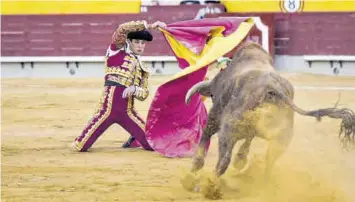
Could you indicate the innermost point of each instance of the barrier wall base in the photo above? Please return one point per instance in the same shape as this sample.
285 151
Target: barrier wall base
283 63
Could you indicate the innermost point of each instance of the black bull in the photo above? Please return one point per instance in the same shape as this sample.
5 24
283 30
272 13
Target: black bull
251 100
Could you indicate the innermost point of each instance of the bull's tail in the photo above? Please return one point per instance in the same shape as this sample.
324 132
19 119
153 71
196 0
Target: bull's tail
347 127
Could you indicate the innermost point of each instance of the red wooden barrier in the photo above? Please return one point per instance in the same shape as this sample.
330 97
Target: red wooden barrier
90 35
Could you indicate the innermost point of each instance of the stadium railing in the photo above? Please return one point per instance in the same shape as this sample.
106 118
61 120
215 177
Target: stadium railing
78 59
329 58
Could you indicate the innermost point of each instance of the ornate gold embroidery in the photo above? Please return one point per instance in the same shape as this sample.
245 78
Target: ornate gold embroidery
129 58
127 65
124 76
144 67
121 80
111 90
141 80
119 71
145 81
144 85
132 116
106 58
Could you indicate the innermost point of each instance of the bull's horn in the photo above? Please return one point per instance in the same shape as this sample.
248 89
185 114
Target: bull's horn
200 87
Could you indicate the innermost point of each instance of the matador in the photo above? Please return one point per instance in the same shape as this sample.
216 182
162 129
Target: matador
126 79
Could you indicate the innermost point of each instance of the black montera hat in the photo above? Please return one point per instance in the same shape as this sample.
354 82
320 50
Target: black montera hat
141 35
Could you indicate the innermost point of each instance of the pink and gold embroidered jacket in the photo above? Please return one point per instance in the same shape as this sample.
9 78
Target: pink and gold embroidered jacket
122 66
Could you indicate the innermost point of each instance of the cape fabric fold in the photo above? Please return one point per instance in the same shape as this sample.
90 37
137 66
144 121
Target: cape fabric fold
173 128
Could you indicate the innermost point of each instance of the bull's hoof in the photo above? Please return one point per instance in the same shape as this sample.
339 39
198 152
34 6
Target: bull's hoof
190 182
212 188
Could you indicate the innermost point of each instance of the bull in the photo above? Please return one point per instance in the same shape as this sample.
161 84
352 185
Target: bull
250 99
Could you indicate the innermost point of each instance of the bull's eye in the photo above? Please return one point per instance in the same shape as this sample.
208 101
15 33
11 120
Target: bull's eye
272 93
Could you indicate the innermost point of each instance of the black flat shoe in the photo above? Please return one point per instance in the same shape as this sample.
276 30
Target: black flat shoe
128 143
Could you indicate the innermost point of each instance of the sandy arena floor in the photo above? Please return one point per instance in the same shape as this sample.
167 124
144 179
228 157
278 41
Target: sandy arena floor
40 119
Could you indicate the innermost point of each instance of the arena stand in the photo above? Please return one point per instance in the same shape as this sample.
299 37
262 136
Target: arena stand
304 42
312 42
316 42
81 41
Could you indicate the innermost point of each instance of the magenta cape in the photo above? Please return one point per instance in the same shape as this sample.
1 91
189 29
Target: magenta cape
173 128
